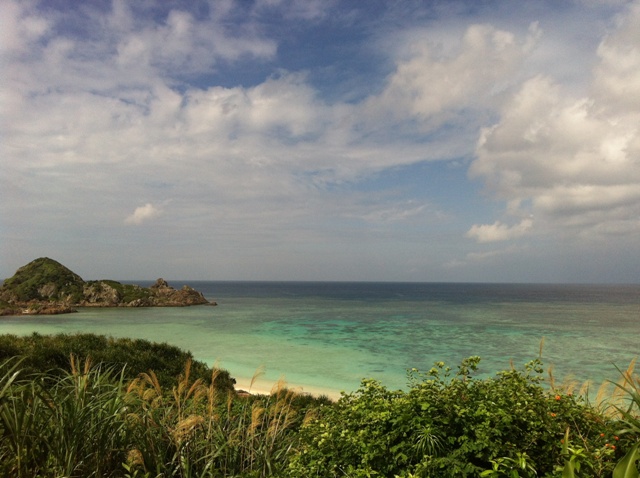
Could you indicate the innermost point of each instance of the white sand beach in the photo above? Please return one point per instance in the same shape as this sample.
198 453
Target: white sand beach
260 386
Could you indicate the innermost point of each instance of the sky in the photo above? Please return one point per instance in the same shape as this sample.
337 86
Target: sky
378 140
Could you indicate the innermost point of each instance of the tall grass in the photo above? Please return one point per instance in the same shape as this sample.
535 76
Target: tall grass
89 422
70 426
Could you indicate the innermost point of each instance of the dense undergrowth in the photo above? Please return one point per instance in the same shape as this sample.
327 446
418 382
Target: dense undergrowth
94 416
131 357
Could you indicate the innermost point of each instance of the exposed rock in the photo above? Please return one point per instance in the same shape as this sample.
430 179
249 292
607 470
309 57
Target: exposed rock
4 311
48 290
100 293
165 295
161 284
139 303
44 308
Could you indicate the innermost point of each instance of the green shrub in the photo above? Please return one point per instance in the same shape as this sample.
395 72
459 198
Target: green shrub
630 424
51 353
450 426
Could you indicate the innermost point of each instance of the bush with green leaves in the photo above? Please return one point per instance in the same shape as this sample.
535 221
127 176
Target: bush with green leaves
51 353
453 425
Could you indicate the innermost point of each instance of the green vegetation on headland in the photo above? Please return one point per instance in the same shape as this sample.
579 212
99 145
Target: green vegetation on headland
115 420
45 286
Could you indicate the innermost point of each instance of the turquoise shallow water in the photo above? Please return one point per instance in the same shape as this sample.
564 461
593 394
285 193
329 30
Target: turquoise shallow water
331 335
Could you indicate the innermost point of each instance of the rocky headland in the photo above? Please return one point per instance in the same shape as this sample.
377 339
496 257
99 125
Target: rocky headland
45 286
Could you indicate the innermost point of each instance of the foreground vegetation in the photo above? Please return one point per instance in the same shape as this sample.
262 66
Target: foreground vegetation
106 415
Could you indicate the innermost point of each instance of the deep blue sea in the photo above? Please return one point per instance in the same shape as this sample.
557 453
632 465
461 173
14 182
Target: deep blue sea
327 336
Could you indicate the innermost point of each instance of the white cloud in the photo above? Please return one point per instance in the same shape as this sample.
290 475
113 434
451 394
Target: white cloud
143 214
617 77
95 121
499 231
405 211
111 104
296 9
434 87
20 28
125 48
480 260
571 161
281 107
183 45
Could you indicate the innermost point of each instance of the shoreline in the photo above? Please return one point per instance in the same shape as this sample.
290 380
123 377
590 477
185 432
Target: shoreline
261 386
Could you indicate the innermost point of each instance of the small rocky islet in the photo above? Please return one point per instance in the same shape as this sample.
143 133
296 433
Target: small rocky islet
46 287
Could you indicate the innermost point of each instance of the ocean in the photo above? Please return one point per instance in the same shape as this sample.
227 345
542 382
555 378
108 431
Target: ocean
328 336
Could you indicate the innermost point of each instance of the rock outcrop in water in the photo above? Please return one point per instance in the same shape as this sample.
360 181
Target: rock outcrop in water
45 286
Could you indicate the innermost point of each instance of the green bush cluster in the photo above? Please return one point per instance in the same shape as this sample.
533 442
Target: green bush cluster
446 426
51 353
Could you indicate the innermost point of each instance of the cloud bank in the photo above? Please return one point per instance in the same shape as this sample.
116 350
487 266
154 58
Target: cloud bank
269 176
572 161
